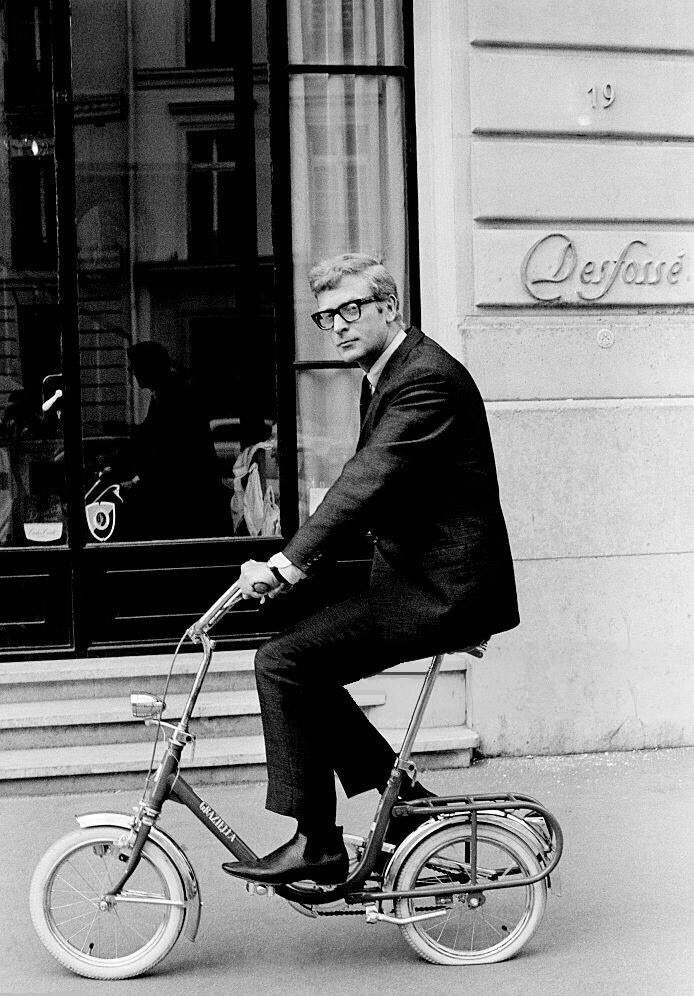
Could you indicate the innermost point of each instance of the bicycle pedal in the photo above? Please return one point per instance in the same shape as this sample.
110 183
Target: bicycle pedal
307 884
258 889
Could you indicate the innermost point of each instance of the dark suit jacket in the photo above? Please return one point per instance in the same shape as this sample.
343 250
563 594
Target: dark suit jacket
423 481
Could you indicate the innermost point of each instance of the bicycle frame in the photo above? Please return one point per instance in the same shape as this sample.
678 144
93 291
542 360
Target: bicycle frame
169 785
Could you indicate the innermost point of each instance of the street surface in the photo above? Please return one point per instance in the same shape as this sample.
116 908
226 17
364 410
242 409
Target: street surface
621 925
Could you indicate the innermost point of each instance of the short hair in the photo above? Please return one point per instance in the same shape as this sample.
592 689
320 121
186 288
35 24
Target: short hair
327 274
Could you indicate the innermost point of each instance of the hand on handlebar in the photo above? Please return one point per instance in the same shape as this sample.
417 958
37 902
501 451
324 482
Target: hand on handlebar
257 581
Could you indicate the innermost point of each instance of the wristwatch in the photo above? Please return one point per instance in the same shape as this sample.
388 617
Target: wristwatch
280 578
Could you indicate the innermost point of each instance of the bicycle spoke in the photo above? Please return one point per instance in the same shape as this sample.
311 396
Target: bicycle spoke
486 920
76 932
89 931
94 871
128 927
84 879
69 919
64 906
75 889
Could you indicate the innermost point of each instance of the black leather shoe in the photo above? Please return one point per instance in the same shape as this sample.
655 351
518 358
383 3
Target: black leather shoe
325 862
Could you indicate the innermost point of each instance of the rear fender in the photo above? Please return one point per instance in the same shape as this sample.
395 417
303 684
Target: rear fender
530 835
168 845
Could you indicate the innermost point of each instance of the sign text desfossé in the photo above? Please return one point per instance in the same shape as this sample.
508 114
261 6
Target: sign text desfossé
553 271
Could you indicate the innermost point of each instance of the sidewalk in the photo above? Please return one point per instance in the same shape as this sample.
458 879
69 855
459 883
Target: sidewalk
622 922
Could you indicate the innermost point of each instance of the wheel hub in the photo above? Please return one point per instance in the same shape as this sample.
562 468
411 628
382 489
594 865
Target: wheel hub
475 900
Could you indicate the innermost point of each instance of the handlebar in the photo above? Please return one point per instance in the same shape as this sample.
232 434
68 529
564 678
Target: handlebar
220 608
215 612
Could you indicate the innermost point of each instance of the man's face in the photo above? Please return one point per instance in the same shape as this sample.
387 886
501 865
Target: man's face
364 340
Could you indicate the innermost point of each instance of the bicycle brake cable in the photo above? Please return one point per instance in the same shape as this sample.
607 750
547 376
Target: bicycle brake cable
163 706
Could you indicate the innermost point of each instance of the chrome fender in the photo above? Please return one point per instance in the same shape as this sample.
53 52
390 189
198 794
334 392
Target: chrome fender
530 836
172 850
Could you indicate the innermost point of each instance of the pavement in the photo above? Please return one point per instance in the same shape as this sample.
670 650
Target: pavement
621 921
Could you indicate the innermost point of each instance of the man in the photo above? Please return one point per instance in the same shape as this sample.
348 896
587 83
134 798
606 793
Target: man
175 488
423 481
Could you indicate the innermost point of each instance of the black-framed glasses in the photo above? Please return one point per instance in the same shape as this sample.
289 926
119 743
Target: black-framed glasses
350 311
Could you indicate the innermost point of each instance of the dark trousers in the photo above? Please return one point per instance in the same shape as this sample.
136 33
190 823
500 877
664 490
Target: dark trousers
312 726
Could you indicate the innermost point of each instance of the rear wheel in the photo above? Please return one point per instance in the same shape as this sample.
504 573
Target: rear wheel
90 937
474 928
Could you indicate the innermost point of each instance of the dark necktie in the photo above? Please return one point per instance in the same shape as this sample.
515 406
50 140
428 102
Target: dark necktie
364 399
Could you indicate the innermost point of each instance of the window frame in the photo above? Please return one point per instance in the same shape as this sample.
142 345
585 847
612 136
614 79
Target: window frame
289 367
214 170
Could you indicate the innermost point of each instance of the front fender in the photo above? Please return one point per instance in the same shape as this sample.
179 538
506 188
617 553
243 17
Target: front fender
172 850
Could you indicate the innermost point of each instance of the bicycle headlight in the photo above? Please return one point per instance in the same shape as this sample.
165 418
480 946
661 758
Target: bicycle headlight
145 705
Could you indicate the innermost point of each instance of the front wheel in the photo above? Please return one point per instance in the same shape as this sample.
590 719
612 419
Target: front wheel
473 928
95 939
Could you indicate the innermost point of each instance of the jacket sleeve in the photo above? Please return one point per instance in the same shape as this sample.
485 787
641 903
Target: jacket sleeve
406 438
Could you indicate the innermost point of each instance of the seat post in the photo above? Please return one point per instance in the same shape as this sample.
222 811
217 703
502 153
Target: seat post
418 713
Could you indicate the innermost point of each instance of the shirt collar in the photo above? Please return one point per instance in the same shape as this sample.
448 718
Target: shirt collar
377 369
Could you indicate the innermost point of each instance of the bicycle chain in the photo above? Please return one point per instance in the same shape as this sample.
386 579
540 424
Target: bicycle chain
425 909
340 912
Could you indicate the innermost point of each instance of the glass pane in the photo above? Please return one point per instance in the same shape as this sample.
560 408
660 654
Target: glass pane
32 476
345 32
175 270
328 413
348 184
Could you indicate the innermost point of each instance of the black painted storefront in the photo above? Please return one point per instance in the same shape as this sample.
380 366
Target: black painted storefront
70 595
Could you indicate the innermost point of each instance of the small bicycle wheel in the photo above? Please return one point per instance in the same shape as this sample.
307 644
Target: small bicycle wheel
466 933
117 942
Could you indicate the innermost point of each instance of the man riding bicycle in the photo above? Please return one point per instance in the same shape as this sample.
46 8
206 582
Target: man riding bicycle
436 584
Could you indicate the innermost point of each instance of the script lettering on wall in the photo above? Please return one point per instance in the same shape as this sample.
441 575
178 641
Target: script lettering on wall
554 270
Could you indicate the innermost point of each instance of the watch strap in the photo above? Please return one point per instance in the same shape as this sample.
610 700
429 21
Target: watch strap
280 578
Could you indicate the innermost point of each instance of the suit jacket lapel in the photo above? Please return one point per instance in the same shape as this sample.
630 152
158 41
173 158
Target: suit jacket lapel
394 364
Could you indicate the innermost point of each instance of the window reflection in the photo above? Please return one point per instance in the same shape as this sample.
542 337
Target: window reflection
213 194
175 254
32 480
347 135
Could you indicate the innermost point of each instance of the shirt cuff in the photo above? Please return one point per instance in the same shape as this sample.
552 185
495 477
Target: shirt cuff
287 569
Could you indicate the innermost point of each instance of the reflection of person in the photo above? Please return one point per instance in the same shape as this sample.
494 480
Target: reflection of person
175 488
441 578
20 419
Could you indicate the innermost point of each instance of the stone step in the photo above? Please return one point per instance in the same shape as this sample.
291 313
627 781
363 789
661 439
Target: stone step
42 771
111 677
87 722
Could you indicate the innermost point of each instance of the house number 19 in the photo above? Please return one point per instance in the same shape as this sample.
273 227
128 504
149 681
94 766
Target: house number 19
601 97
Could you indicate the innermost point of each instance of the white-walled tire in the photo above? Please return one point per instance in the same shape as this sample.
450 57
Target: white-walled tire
122 941
467 935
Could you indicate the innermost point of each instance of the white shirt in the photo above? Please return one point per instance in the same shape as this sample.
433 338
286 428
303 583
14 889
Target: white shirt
287 569
377 369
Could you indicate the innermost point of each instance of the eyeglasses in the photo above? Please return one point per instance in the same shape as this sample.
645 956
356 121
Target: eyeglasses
350 311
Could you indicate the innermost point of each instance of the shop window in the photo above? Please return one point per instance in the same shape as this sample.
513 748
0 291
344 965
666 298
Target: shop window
348 106
213 203
176 293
